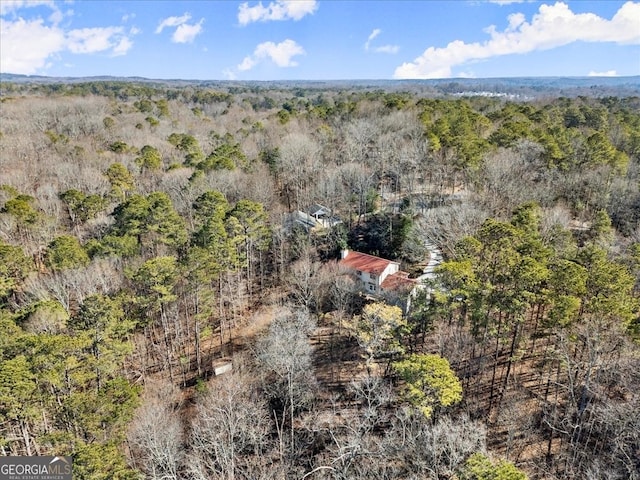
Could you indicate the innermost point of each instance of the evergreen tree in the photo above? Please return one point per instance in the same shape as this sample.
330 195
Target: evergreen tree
430 384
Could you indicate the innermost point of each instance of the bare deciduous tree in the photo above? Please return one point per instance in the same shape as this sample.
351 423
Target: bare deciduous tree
305 281
229 429
70 287
298 166
156 434
285 357
433 451
445 225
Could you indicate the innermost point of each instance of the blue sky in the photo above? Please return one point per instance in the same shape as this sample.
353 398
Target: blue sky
320 40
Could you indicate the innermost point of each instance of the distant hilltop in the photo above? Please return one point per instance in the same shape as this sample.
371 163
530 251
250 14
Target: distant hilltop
519 88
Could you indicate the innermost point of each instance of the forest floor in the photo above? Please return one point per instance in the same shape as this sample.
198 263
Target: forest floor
512 409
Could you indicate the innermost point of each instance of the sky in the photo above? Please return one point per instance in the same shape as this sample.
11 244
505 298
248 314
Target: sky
320 39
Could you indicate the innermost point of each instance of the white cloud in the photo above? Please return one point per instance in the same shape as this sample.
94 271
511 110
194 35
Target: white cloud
229 74
278 10
123 46
608 73
56 17
380 49
374 34
247 64
387 49
91 40
9 6
279 53
28 46
173 22
553 26
185 32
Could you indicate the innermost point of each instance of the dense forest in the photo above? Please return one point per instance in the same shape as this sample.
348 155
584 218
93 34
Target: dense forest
146 243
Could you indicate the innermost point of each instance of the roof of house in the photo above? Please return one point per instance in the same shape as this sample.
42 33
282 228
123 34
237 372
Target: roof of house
398 281
318 210
365 263
301 218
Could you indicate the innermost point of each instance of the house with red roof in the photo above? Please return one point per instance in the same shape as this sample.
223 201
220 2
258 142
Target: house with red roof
378 276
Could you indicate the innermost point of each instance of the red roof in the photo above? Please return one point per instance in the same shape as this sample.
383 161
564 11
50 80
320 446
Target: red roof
365 263
398 281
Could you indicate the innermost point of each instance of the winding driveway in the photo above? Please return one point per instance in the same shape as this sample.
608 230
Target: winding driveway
435 259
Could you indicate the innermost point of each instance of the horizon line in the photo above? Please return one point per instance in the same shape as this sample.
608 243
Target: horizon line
403 80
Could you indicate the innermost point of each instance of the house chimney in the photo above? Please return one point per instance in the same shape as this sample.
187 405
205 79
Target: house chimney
343 253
